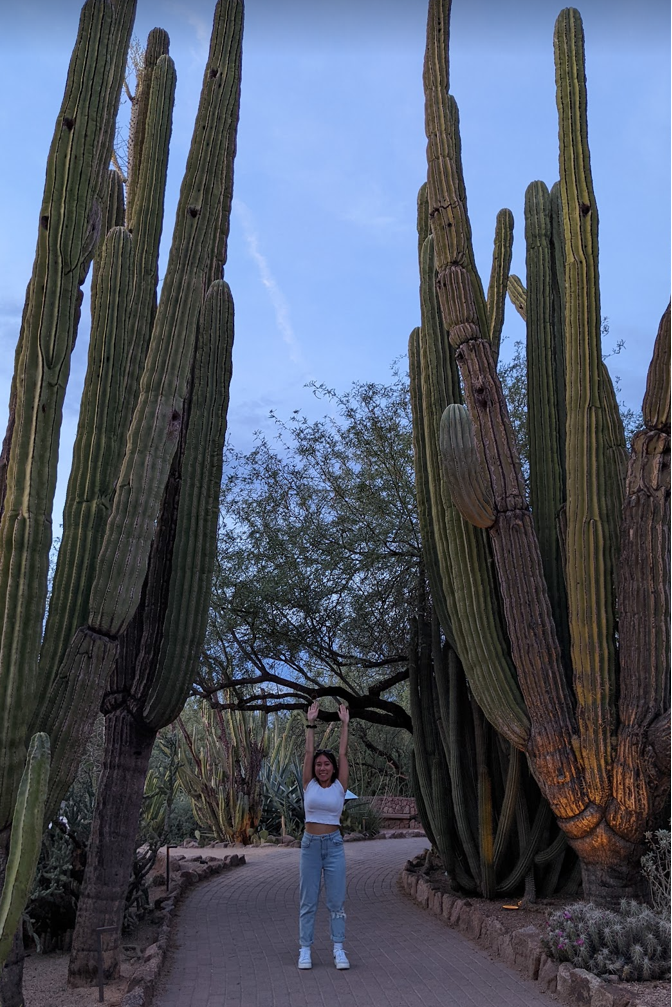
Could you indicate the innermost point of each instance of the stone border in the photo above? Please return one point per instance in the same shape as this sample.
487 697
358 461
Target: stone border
188 871
520 949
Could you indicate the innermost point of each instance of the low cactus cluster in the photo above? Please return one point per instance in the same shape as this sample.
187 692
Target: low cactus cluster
633 943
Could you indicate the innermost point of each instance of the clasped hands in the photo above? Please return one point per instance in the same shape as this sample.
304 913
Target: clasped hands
314 709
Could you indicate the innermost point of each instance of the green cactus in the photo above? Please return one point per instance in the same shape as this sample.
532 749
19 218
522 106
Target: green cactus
190 346
69 223
587 756
471 787
144 389
220 769
25 842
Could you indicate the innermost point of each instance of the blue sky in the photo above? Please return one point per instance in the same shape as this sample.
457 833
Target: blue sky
331 148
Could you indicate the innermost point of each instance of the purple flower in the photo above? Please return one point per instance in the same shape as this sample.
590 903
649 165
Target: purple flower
561 947
579 941
567 916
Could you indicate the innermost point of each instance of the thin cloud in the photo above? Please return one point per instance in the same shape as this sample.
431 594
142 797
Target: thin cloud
201 26
277 298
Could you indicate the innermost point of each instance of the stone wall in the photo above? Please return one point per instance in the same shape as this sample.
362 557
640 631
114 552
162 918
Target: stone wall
396 812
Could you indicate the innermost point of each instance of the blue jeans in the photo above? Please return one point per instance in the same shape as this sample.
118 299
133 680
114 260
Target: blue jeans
322 854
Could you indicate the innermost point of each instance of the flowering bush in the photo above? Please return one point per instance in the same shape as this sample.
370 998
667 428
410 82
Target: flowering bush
633 943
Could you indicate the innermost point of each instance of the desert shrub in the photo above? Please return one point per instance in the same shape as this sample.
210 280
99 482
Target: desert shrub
633 943
360 816
656 869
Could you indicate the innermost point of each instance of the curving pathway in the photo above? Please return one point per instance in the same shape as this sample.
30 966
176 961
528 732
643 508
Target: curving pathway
235 943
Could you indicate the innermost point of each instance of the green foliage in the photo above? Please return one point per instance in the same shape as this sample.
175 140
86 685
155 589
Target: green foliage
318 553
360 816
656 869
633 943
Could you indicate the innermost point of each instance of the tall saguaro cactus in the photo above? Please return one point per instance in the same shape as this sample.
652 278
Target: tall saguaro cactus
160 644
154 403
588 756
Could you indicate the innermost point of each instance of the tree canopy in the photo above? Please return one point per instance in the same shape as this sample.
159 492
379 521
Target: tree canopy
318 560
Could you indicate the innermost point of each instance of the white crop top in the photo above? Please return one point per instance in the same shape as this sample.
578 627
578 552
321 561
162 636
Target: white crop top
323 805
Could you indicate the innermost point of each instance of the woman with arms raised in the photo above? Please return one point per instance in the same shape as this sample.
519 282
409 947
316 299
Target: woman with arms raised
325 781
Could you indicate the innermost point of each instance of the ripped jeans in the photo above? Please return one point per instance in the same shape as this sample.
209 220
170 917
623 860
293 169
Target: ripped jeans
322 854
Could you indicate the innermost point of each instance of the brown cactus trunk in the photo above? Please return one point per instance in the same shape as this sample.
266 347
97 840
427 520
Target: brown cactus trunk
128 746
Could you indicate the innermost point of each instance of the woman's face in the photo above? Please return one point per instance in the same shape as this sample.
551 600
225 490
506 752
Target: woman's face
324 769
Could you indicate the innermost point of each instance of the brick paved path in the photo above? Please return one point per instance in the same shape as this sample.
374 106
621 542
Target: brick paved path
235 943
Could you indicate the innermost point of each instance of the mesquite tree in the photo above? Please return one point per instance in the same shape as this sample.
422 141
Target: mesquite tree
582 685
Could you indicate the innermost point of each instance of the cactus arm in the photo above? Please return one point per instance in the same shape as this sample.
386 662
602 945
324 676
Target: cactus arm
458 778
468 488
473 608
546 433
158 44
590 545
485 809
517 295
508 809
78 158
533 639
433 791
558 297
644 600
195 260
529 840
123 304
422 489
499 274
195 537
96 454
146 224
25 841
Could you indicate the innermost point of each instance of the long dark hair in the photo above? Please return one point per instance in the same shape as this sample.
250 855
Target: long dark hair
332 759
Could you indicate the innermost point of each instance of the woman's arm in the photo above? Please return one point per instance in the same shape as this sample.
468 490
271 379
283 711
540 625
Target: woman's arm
313 711
344 716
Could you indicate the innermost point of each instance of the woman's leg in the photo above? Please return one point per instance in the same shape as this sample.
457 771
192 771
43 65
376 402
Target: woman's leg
310 877
334 884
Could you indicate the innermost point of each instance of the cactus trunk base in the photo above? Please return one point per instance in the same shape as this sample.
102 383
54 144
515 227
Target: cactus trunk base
128 746
610 868
11 975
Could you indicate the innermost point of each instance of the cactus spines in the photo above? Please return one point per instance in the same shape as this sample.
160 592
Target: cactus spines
25 841
469 490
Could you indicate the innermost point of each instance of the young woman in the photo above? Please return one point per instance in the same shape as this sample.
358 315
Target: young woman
325 782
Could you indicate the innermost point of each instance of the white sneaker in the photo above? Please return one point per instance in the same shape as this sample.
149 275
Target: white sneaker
304 959
341 959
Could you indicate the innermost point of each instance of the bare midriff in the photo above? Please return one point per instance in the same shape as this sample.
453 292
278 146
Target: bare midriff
318 829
